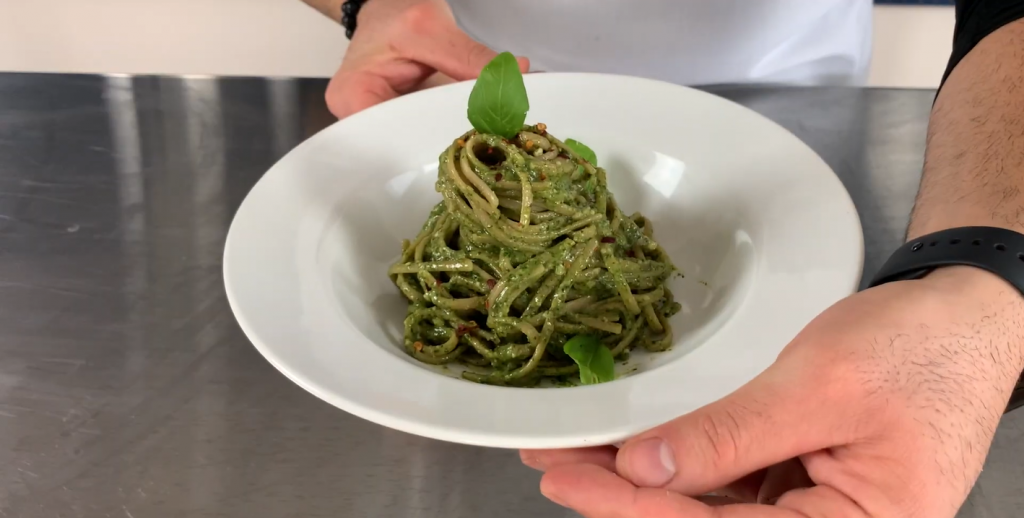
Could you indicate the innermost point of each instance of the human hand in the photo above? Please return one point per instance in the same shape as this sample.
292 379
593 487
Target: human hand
401 46
885 405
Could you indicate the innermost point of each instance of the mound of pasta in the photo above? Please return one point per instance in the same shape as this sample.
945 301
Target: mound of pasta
528 251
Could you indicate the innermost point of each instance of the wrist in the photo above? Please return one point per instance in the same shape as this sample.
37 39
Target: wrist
975 291
968 268
971 285
349 15
971 281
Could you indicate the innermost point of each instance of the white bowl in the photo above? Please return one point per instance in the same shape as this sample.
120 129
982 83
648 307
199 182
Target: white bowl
763 230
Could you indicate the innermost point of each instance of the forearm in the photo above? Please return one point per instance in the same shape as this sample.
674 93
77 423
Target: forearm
329 8
974 164
974 176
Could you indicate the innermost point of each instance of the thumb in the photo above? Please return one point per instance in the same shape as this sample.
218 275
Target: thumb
456 55
772 419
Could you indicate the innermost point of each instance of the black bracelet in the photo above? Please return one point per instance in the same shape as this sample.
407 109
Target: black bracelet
349 14
997 250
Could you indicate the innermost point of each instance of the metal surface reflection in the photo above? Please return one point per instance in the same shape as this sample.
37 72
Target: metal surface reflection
127 389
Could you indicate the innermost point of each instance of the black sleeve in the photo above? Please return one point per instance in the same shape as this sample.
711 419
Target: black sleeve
976 19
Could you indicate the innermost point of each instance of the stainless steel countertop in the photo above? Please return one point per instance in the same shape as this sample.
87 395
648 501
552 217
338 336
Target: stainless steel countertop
127 389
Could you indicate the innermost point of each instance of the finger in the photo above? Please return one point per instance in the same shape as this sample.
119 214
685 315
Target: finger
436 79
351 91
543 460
595 492
717 501
819 502
451 52
745 489
767 485
590 490
782 478
770 420
430 42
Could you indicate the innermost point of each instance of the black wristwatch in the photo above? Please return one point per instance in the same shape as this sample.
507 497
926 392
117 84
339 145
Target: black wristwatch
997 250
349 13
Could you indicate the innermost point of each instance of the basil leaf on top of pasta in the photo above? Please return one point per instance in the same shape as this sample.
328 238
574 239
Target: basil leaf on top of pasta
498 103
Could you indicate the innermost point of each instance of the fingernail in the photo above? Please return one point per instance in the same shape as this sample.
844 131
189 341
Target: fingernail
652 463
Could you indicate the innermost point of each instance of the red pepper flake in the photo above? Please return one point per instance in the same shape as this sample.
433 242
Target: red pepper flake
461 330
630 253
543 177
490 150
437 282
418 346
487 304
607 239
498 177
491 283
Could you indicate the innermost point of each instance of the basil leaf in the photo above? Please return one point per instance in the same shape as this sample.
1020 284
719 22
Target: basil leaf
498 103
595 360
582 150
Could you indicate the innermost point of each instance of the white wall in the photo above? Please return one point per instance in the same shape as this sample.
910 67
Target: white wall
286 38
230 37
911 45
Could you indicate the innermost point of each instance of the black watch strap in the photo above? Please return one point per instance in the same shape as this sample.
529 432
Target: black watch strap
349 13
998 250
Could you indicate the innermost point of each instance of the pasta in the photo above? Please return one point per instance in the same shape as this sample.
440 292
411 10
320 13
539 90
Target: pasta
527 249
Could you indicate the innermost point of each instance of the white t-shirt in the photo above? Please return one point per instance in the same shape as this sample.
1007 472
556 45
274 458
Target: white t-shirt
682 41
